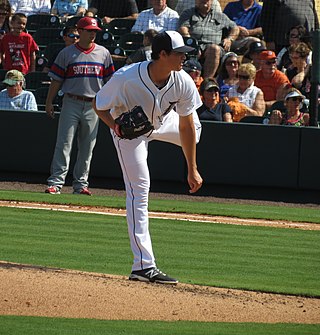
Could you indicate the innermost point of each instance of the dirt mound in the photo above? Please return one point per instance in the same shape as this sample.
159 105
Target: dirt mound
34 291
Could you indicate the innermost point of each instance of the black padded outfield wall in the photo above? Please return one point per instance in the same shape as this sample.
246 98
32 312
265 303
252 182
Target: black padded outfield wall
230 154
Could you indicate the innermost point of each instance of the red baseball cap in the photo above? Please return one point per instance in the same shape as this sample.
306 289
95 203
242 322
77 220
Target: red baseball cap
88 23
267 55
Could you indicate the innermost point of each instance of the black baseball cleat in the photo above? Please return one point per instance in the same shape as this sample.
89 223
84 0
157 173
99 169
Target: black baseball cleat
152 275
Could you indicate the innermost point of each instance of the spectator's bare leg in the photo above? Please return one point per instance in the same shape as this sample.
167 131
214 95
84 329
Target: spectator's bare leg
212 60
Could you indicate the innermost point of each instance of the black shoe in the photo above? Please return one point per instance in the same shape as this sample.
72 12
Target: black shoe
152 275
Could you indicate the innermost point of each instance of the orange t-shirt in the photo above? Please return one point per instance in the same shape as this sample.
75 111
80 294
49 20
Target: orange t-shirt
270 86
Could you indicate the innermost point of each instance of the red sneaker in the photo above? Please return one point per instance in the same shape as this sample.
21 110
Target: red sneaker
84 191
53 190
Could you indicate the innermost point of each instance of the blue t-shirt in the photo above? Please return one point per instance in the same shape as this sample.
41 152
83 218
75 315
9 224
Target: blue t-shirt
213 114
64 7
24 101
249 18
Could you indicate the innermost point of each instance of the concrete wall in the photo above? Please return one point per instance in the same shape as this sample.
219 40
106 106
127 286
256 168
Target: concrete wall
228 154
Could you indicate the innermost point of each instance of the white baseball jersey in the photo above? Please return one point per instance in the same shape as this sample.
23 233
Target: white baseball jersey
131 86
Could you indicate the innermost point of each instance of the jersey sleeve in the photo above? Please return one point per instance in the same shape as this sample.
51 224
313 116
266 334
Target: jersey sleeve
190 99
110 96
58 68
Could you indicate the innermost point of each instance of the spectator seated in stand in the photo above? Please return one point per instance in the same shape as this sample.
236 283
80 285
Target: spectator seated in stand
269 78
246 93
295 35
160 18
194 69
112 9
292 116
212 108
14 97
186 4
298 70
31 7
246 14
228 72
143 53
253 55
69 8
70 36
208 28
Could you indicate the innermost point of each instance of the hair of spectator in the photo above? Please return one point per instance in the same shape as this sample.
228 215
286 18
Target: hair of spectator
6 7
150 34
249 69
16 16
67 30
223 70
300 48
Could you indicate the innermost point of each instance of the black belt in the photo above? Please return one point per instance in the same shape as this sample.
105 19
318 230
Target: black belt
79 97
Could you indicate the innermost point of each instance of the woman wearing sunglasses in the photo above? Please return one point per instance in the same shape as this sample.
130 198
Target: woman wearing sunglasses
293 116
246 93
228 72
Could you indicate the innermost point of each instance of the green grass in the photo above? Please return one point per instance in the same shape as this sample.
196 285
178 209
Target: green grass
210 208
254 258
14 325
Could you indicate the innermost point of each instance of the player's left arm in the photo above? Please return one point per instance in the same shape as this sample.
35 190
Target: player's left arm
188 143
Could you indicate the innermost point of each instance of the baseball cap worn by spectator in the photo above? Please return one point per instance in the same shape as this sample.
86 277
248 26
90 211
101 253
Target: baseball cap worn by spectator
88 23
267 55
12 77
211 85
255 47
192 65
293 95
169 41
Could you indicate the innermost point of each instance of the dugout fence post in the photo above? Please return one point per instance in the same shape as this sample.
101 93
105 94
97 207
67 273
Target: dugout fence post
315 78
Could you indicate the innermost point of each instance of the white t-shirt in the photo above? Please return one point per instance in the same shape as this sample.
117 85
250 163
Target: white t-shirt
166 20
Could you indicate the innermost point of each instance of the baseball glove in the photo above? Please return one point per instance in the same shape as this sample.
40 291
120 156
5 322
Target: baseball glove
239 109
133 124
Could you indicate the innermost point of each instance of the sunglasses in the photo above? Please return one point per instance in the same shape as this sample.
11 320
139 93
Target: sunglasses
293 36
296 99
244 77
73 35
270 62
233 62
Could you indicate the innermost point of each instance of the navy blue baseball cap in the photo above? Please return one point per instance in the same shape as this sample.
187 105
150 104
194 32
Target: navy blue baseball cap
192 65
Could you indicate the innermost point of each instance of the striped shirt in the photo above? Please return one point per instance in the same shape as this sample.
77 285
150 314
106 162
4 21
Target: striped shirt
83 72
